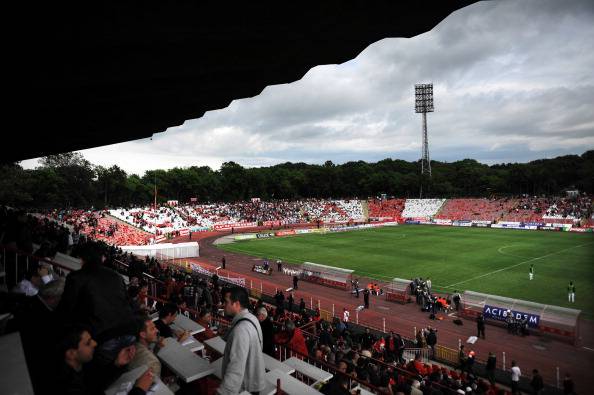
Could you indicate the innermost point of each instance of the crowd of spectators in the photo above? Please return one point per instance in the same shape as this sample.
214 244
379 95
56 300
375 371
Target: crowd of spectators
476 209
137 226
98 225
284 212
95 326
568 210
386 208
421 208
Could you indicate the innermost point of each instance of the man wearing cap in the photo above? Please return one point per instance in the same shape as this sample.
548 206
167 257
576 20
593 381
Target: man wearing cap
111 361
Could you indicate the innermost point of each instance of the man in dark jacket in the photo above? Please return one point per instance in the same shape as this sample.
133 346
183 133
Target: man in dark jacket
366 298
537 382
432 339
367 339
40 331
490 368
96 296
75 350
267 331
480 326
291 301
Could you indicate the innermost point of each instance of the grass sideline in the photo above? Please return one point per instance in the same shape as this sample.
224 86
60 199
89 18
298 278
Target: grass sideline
494 261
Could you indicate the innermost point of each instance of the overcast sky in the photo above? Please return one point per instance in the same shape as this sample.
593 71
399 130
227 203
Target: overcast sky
513 81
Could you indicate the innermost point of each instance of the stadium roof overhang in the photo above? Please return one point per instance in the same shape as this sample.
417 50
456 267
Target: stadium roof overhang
118 71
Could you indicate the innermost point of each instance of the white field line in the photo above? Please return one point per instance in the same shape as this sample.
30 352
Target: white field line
516 265
500 250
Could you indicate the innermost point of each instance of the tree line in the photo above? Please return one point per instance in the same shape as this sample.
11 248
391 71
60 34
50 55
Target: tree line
69 180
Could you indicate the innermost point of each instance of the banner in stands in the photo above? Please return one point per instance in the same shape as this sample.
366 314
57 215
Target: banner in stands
564 227
462 223
509 224
516 225
245 237
500 314
285 232
333 221
199 229
318 230
581 230
342 228
238 225
533 224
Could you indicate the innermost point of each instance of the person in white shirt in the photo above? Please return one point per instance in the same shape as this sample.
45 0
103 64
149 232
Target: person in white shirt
516 373
345 316
33 279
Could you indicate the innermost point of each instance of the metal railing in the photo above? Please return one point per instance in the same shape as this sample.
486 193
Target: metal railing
284 353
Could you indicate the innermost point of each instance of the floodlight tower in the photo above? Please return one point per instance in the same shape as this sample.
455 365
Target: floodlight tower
423 105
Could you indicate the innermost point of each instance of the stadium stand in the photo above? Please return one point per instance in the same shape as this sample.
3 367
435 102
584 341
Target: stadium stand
386 208
421 208
376 358
475 209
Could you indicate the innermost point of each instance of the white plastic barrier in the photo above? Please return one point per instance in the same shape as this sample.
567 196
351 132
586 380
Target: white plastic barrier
166 251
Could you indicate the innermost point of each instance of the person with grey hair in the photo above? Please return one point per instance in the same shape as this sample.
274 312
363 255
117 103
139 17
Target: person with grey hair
267 330
50 294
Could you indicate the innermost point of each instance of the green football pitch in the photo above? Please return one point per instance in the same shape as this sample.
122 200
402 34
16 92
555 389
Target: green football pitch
493 261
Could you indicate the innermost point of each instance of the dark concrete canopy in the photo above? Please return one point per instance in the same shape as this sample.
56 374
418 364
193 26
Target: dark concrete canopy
114 72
